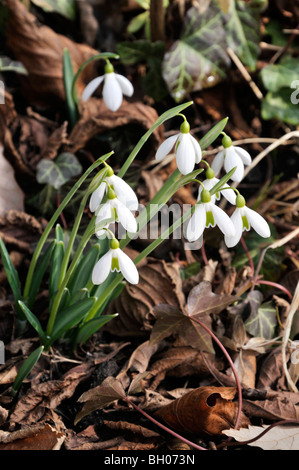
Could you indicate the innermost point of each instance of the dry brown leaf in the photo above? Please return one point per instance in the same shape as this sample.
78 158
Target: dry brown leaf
11 195
275 405
40 50
19 229
277 438
160 282
37 437
203 411
96 118
131 427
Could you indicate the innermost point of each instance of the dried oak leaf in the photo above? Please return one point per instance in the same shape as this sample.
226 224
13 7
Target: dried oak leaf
159 282
96 118
275 405
40 50
37 437
203 411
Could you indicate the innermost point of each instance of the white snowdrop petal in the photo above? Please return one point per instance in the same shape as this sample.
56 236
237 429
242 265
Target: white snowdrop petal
103 212
197 149
223 221
232 160
127 267
102 268
236 220
96 197
185 154
196 224
258 223
125 217
244 155
166 147
91 87
125 85
124 192
217 162
229 195
112 92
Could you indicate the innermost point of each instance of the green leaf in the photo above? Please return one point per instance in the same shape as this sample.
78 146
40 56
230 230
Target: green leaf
82 273
212 134
262 320
243 32
138 22
57 172
68 80
55 267
12 274
33 320
65 8
40 271
26 368
70 317
91 327
279 106
198 59
277 76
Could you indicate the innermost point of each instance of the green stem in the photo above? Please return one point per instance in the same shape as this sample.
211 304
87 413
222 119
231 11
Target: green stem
52 221
102 55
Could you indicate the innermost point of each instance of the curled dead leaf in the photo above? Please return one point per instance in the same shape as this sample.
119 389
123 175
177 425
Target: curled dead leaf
40 49
37 437
203 411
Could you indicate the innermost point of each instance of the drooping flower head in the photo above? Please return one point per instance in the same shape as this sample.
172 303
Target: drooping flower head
230 157
186 148
114 87
117 211
210 182
123 191
243 219
207 214
115 260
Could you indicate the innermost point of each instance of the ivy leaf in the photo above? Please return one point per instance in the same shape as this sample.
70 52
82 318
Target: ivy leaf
66 8
56 173
198 59
243 32
262 319
277 76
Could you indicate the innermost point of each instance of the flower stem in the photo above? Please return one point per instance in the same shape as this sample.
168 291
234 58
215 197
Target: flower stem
248 255
278 286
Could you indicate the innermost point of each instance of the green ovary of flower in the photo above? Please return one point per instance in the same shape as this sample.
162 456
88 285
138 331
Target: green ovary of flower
185 127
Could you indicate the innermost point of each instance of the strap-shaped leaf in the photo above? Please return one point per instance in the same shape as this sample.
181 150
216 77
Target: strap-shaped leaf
68 77
12 276
33 320
55 268
70 316
213 133
91 327
82 273
26 368
39 273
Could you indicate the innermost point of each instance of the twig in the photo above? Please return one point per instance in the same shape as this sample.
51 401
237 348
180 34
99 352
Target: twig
245 74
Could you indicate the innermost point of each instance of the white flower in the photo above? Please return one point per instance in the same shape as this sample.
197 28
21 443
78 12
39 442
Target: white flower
116 210
210 182
115 86
115 260
207 214
230 157
186 148
243 219
123 191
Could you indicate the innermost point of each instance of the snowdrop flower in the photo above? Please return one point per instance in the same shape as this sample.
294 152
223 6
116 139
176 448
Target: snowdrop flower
186 148
230 157
123 191
210 182
115 86
116 210
243 219
207 214
115 260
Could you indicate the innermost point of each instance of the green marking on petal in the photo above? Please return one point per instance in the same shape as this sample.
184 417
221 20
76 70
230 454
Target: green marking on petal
114 264
177 145
210 219
246 225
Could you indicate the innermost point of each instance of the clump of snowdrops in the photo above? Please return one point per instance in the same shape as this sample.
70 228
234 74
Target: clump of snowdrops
82 281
